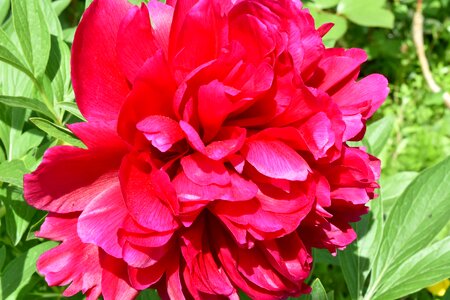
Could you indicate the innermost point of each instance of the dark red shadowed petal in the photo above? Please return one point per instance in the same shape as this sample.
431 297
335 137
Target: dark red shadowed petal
115 282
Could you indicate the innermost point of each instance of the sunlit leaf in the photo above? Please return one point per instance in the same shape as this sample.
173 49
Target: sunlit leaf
19 271
57 131
415 219
33 34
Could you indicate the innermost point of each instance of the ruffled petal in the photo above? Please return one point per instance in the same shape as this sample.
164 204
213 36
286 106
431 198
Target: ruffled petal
72 262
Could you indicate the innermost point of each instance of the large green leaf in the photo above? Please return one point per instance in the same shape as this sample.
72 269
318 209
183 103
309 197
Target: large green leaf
367 13
25 102
423 269
9 54
378 133
12 172
33 34
393 186
19 271
51 16
57 131
355 261
415 219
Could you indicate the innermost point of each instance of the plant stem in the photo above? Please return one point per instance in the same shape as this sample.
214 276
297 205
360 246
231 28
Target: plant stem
420 49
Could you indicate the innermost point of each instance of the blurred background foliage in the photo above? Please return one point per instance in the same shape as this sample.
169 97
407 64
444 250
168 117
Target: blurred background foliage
411 132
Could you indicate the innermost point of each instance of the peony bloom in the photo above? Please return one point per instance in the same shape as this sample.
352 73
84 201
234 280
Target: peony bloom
216 153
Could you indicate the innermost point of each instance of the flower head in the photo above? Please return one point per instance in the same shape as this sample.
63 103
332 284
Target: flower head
216 151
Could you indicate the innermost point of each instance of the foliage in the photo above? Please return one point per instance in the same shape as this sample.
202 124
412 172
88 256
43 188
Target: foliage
404 242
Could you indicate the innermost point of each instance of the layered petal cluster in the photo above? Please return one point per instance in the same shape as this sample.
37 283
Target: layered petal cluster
216 151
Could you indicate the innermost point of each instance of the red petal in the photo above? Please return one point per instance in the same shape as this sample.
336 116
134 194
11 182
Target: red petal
99 135
152 94
289 256
210 97
69 178
161 18
141 198
370 93
72 262
99 84
101 219
135 41
337 68
204 171
276 160
162 131
115 284
142 278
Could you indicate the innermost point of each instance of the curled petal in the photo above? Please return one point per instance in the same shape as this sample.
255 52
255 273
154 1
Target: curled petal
276 160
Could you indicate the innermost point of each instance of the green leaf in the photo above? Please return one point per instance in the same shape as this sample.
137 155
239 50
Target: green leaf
18 214
69 34
425 268
33 34
8 53
325 3
378 133
4 9
318 291
58 69
12 172
57 131
19 271
323 256
2 257
72 108
415 219
51 17
60 5
367 13
338 30
87 3
355 261
148 295
393 186
25 102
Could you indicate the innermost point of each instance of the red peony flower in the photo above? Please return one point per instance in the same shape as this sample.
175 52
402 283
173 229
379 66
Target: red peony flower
216 153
